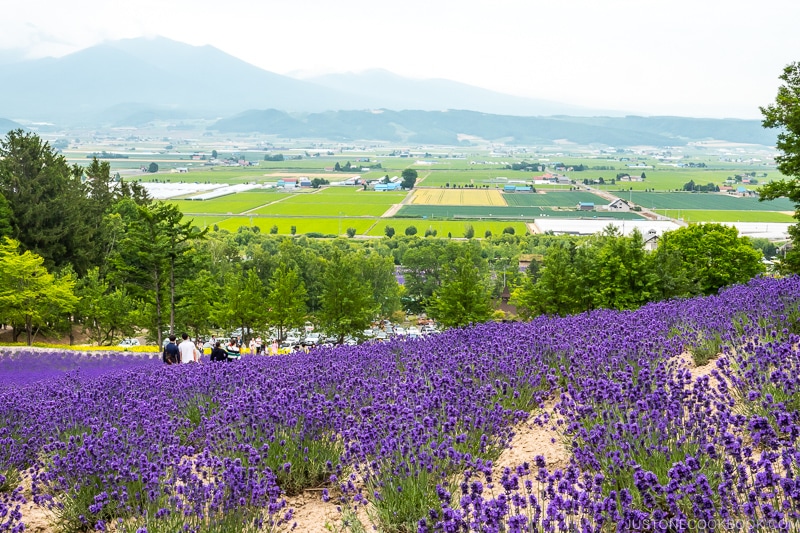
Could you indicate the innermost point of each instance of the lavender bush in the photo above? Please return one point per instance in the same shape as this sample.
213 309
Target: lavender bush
413 428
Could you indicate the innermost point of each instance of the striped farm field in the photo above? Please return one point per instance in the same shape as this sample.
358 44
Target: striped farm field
552 199
483 197
710 215
706 201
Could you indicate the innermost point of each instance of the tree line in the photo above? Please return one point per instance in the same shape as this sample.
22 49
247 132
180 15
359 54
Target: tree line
111 260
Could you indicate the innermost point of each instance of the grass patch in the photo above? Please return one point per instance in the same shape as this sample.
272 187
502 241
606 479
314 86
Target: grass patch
707 348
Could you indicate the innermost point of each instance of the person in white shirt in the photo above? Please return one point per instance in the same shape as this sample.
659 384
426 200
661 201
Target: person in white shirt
187 350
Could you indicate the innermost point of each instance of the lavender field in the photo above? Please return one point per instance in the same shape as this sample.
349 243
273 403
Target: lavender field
680 416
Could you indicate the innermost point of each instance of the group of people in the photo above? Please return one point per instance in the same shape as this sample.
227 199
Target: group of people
190 352
185 352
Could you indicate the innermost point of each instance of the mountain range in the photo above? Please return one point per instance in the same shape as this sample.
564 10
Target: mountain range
135 82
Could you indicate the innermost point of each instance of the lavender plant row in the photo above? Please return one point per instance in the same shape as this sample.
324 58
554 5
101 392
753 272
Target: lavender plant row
414 427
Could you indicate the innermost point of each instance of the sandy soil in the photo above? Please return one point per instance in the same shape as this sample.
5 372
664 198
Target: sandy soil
532 438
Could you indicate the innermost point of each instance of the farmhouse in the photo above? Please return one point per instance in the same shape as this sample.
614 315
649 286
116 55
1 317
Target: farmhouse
619 205
586 206
287 183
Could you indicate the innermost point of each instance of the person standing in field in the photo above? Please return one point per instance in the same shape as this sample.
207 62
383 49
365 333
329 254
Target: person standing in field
232 349
259 344
171 352
218 353
274 348
198 346
252 346
188 350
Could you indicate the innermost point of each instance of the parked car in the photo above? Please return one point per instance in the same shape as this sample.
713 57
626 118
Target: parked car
312 339
130 341
291 341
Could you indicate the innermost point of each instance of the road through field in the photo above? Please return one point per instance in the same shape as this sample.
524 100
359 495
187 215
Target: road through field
392 211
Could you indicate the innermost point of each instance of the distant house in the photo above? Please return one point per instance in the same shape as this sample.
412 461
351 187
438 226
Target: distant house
387 187
304 182
650 240
619 205
586 206
287 183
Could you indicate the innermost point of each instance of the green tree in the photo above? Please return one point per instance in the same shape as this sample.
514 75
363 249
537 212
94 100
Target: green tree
619 274
379 272
555 291
141 259
104 312
784 114
464 295
409 178
411 230
47 200
713 255
422 268
286 300
30 296
469 231
509 230
199 297
351 232
6 216
180 235
389 231
243 302
152 168
214 154
347 303
273 230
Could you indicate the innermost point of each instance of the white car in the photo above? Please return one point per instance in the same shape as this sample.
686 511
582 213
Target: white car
312 339
126 343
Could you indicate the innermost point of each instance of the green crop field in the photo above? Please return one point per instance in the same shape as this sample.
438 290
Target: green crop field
233 203
708 201
552 199
506 213
335 201
442 227
701 215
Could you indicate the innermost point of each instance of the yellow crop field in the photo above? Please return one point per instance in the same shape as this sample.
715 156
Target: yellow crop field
485 197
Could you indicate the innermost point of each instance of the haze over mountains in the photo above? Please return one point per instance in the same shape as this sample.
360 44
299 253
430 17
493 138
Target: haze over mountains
133 82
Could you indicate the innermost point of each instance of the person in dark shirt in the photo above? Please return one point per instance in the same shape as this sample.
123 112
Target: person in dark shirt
218 353
171 352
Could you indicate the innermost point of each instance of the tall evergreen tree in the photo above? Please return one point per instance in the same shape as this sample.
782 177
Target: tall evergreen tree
46 197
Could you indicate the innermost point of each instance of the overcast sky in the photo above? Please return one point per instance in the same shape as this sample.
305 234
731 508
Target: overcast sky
705 58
